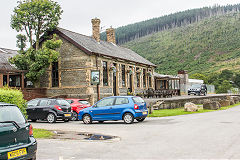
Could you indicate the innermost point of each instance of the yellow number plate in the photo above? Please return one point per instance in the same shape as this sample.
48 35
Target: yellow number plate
144 113
67 115
17 153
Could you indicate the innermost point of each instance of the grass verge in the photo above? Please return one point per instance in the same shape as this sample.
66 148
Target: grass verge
180 111
42 133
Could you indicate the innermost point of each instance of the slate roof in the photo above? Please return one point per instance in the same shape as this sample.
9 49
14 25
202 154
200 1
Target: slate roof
104 48
5 54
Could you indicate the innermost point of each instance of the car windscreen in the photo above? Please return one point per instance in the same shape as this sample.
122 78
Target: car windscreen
196 86
63 102
83 102
11 113
138 100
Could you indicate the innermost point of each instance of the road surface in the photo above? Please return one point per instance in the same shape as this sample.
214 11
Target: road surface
212 135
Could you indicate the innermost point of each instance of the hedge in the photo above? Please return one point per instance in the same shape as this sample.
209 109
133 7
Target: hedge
13 96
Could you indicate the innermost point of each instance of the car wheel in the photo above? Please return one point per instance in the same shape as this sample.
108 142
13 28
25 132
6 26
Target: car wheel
66 120
128 118
33 120
74 116
87 119
51 118
100 121
140 119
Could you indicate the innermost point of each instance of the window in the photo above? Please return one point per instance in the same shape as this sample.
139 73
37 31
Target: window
63 102
105 74
138 79
121 101
150 81
106 102
32 103
138 100
83 102
123 76
11 113
144 77
70 101
44 102
55 82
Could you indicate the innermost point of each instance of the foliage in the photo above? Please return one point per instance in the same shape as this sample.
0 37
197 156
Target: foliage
35 17
13 96
37 61
199 76
135 31
42 133
206 47
21 42
224 87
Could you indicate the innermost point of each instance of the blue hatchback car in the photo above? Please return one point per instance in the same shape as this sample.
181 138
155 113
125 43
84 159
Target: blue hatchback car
126 108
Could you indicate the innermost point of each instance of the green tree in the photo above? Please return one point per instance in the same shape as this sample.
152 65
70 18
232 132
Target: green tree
21 42
35 17
199 76
37 61
226 74
224 87
236 80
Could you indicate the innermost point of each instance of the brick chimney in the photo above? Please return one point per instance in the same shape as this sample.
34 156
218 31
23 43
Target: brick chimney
96 29
111 35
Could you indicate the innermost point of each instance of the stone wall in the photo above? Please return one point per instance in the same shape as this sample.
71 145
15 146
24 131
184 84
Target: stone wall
74 68
177 102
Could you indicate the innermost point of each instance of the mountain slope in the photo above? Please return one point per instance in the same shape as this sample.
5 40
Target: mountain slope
210 45
134 31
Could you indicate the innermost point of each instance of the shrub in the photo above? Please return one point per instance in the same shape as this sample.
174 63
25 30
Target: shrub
13 96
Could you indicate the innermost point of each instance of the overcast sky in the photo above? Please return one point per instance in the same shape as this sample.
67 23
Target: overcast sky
78 13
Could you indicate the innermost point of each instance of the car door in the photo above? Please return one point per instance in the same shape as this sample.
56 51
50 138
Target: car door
103 109
120 104
42 109
31 109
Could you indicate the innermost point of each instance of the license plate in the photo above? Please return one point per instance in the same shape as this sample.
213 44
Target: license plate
67 115
144 112
17 153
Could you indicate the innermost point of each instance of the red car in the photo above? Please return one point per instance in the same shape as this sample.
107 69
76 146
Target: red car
77 105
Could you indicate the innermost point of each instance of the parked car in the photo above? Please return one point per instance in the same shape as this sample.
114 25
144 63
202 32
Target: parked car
16 134
49 109
77 105
198 89
126 108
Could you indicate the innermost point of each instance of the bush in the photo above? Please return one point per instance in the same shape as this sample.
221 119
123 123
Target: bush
13 96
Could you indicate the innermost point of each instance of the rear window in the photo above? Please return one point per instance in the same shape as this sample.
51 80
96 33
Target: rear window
70 101
11 113
138 100
83 102
63 102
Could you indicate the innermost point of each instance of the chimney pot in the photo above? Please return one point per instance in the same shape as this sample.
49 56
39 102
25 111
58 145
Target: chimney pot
111 35
96 29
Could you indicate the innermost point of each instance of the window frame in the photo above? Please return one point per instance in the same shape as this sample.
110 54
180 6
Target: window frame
105 73
123 75
55 74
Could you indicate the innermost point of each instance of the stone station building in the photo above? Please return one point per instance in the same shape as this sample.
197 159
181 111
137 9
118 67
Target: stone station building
81 57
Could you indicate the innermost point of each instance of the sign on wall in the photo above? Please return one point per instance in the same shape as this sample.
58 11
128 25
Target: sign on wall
95 77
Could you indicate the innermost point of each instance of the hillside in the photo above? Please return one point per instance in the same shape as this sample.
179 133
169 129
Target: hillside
210 45
134 31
